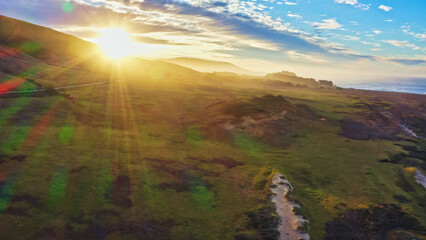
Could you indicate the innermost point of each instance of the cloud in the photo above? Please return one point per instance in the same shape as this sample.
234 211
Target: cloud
407 61
345 37
377 31
377 45
330 23
151 40
294 16
220 4
364 6
350 2
306 57
421 36
407 30
354 3
290 3
402 44
401 61
385 8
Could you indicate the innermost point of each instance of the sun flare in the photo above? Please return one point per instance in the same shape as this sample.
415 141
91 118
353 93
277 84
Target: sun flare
116 43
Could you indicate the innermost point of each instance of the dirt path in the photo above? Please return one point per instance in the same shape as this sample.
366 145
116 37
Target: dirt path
58 88
420 178
289 220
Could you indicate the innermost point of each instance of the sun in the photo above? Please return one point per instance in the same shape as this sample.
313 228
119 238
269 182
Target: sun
116 43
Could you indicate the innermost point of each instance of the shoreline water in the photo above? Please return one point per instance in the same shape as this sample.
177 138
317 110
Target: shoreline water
416 88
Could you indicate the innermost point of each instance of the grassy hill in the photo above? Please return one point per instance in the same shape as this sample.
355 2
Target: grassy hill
43 43
170 153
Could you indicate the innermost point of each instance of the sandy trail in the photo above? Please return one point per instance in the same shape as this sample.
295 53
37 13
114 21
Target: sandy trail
420 178
289 220
58 88
404 127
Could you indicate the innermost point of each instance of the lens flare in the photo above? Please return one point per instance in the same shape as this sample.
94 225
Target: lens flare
10 85
116 43
68 7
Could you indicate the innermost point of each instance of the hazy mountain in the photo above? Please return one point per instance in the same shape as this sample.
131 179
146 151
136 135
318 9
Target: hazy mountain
208 65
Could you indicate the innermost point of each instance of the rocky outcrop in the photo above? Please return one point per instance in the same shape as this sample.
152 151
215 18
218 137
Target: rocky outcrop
325 83
291 78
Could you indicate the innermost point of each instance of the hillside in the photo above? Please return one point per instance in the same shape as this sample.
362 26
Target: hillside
161 151
43 43
202 65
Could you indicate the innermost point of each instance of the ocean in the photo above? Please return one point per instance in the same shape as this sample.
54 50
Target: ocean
417 86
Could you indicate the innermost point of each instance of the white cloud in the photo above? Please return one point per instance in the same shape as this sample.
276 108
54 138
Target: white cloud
330 23
385 8
421 36
377 31
350 2
407 30
205 35
402 44
377 45
364 6
306 57
294 16
389 20
290 3
346 37
354 3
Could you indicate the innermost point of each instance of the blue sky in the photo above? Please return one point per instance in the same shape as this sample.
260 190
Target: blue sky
340 40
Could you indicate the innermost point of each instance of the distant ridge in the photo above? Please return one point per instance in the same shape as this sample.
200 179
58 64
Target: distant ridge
203 65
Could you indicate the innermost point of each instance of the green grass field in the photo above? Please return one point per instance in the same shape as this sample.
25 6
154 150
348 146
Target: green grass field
138 160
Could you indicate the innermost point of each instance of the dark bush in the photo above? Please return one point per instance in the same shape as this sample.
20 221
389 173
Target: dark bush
373 223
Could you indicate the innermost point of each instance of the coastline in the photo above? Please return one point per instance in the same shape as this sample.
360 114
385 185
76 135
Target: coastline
388 87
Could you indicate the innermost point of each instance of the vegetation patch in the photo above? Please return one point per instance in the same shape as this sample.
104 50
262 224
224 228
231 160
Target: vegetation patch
374 223
122 191
262 222
414 156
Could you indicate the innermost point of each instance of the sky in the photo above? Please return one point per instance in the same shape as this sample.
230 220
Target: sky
339 40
